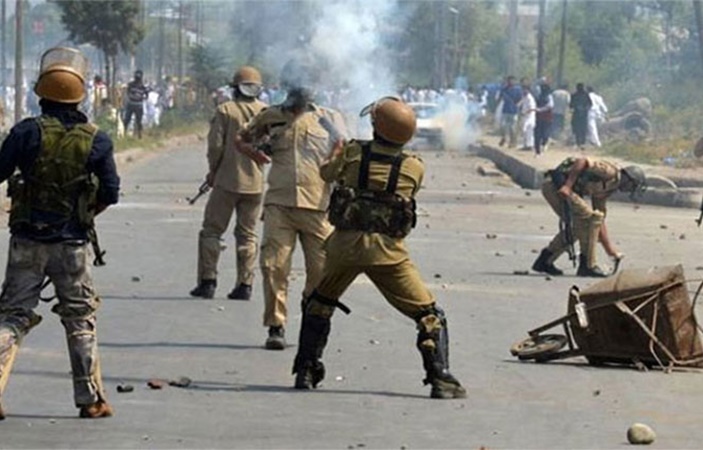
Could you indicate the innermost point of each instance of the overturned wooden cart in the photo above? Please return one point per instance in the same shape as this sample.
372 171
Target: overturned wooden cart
641 317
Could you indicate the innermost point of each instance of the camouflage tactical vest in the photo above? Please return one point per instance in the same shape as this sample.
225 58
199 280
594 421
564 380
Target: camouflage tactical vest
58 184
362 209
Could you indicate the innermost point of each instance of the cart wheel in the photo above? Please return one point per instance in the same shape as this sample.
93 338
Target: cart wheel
538 347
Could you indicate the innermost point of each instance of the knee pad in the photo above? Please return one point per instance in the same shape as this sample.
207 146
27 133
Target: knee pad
431 321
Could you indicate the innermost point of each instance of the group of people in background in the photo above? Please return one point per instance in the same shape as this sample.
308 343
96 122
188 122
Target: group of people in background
534 114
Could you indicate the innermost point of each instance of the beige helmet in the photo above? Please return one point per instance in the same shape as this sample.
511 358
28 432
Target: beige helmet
62 74
248 80
392 119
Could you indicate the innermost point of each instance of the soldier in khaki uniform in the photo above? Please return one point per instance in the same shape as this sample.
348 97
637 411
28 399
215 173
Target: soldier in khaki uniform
572 180
290 137
373 209
237 185
66 176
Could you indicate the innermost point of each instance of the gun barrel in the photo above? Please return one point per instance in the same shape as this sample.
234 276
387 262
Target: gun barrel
202 190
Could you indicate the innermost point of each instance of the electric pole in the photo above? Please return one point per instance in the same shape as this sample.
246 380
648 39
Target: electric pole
19 94
562 45
540 38
3 61
512 37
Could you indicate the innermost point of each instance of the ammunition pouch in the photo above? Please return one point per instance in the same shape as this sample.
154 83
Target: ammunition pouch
372 212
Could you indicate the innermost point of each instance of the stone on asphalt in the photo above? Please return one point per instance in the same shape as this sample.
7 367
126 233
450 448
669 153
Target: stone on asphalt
640 434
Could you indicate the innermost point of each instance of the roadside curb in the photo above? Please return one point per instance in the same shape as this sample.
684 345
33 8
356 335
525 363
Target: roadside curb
529 176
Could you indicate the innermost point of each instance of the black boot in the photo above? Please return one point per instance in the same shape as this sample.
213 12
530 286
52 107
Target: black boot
204 289
433 343
585 271
308 368
241 292
543 265
276 339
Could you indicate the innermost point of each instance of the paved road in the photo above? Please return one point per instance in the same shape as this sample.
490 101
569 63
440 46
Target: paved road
373 396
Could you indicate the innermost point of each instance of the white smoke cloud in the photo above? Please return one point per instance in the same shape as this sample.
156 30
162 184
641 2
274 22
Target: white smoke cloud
350 36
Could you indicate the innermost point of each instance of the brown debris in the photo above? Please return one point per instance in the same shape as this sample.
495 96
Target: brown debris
156 383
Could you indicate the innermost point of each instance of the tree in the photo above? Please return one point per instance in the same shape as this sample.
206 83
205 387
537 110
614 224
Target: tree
110 26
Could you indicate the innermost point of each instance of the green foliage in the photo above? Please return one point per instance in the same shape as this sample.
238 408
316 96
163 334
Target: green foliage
208 68
110 25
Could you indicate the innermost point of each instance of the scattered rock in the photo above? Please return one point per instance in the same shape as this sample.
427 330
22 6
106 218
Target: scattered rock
534 250
156 383
521 272
682 236
528 193
124 388
520 206
699 267
136 279
438 275
596 393
374 342
181 382
498 254
548 278
339 378
445 285
663 227
491 236
640 434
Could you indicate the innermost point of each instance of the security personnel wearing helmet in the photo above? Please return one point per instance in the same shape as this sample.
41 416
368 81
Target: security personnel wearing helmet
373 209
290 137
237 185
65 176
570 182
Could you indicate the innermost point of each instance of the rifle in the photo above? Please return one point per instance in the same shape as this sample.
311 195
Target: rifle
99 253
566 227
202 190
700 218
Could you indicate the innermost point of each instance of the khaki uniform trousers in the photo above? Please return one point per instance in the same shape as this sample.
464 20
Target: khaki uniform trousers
218 213
586 224
400 284
282 226
67 266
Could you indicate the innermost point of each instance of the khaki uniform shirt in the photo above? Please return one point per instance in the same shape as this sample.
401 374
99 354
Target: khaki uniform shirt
357 247
299 145
234 171
600 180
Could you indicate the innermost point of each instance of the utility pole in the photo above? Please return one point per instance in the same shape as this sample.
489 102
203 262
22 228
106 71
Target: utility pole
19 94
437 73
562 45
3 61
180 48
455 54
540 38
162 19
512 37
699 24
